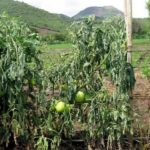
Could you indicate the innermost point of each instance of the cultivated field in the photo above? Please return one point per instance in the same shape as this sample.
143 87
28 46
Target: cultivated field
80 96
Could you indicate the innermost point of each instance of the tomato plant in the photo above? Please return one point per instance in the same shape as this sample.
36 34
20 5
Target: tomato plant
22 105
25 111
98 53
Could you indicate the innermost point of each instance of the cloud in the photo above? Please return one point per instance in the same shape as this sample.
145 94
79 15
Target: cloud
71 7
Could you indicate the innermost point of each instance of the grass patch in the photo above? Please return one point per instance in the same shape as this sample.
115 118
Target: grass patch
140 53
51 54
60 46
51 47
141 59
141 41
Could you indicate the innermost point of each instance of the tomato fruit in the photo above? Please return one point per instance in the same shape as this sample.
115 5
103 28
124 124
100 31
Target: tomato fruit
33 82
60 107
80 97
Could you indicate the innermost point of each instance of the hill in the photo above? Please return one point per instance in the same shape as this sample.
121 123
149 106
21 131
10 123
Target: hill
45 22
37 18
99 12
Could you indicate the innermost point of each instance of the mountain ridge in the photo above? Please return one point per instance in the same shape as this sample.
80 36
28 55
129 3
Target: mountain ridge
35 16
45 22
100 12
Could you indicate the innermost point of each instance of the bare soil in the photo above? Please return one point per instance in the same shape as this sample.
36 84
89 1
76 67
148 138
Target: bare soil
141 98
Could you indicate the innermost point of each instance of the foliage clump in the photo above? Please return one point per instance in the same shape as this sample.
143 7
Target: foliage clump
21 107
28 116
99 53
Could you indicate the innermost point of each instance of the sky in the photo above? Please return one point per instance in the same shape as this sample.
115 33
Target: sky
72 7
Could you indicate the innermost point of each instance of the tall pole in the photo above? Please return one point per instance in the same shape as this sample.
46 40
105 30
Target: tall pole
128 20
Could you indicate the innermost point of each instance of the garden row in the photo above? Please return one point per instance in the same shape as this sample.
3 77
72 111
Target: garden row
29 118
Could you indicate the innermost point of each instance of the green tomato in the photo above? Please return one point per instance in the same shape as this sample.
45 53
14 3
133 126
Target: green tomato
33 82
80 97
60 107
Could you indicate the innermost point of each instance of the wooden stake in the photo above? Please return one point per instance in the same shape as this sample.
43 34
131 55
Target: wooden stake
128 20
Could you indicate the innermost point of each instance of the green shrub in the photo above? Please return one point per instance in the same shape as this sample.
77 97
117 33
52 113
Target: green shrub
55 38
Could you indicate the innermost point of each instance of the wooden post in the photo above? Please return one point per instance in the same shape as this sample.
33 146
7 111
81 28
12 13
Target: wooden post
128 20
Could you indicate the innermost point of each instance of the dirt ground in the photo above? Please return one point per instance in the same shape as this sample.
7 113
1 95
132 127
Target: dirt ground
141 98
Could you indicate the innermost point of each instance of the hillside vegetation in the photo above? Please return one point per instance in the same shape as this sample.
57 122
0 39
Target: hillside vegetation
34 16
45 22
